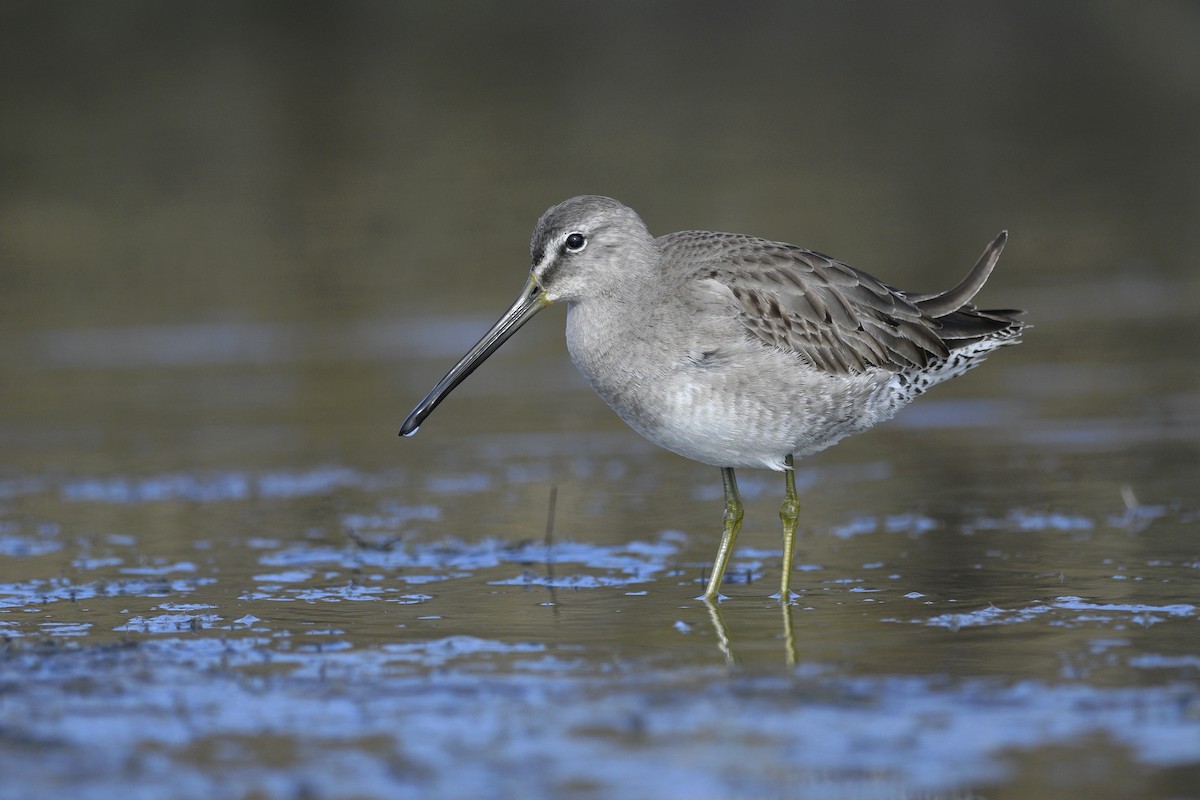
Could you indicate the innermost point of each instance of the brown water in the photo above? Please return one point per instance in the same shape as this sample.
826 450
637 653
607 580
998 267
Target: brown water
238 243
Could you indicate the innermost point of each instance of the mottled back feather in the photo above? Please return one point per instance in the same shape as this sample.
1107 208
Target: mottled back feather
840 319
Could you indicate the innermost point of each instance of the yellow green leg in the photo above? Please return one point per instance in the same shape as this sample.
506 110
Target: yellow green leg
789 514
733 523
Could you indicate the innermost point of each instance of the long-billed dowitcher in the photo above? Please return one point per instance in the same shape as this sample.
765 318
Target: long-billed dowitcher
737 351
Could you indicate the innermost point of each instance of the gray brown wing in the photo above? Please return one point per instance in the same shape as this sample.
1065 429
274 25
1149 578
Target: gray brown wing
840 319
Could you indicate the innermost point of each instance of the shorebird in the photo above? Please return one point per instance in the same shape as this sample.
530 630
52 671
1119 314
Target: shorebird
737 351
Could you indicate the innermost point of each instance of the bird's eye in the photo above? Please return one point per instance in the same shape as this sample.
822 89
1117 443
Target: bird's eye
576 242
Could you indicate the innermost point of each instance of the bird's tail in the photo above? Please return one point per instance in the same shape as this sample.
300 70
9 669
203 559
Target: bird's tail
961 324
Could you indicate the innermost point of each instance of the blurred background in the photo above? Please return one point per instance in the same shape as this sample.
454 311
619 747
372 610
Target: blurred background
231 184
251 235
240 240
303 161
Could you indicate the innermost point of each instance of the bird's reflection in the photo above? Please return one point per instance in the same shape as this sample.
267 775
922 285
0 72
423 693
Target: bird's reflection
725 641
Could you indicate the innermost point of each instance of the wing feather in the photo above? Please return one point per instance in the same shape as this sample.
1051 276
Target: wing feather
838 318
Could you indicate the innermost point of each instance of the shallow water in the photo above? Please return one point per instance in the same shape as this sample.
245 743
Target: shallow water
996 596
223 575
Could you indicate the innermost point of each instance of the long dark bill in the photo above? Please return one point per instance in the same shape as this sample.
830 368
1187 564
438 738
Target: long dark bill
532 300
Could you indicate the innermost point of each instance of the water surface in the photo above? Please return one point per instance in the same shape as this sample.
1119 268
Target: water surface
238 245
